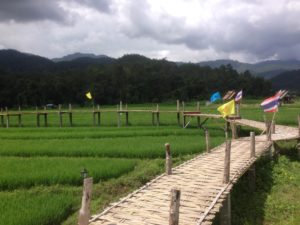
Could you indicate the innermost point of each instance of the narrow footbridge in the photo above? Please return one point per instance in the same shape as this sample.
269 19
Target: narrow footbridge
200 181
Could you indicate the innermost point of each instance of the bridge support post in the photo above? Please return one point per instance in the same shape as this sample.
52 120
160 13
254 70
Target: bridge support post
299 126
178 112
226 177
168 159
233 130
225 213
207 141
84 213
174 207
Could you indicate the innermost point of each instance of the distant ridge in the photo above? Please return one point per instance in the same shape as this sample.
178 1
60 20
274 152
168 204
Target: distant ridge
287 80
78 55
266 69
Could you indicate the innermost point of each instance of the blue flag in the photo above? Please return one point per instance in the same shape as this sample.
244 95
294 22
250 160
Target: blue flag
215 97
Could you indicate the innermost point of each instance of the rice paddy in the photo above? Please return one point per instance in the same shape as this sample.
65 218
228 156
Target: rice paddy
40 180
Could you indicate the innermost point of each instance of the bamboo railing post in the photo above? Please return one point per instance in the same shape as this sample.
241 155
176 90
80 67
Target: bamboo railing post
251 171
118 116
273 127
127 119
198 118
268 131
99 115
225 212
178 112
183 106
226 177
121 106
168 159
174 207
94 116
84 212
7 117
70 115
237 106
45 116
20 117
252 145
37 117
2 118
207 141
60 115
157 115
299 125
233 130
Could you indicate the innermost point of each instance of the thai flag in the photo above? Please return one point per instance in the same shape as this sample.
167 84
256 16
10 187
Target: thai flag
239 96
270 104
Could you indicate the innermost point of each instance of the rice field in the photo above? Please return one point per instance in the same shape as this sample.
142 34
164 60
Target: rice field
40 180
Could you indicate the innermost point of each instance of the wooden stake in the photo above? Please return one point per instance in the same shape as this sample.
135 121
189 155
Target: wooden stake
183 106
60 115
226 177
299 125
84 213
127 120
268 131
252 145
178 112
207 141
7 118
237 105
157 115
233 130
252 177
121 105
174 207
273 126
168 159
225 213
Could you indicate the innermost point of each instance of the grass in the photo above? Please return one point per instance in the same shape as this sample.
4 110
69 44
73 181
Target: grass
36 207
19 172
47 162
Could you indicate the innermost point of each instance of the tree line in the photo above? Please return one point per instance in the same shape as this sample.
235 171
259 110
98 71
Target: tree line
131 78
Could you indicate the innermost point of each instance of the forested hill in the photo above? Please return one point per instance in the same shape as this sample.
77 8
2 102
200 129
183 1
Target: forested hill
131 78
288 80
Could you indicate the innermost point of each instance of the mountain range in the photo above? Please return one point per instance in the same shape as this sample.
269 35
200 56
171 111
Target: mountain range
282 74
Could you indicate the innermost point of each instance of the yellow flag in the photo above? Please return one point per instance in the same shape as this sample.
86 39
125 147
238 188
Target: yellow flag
227 108
88 95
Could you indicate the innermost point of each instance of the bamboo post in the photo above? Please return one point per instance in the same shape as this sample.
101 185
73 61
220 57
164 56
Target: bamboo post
157 115
37 117
94 117
119 118
237 106
252 177
7 117
2 118
207 141
174 207
60 115
225 213
252 145
99 115
184 120
152 118
198 118
178 112
183 106
70 115
226 177
168 159
273 126
121 106
127 119
299 125
84 212
20 117
233 130
268 131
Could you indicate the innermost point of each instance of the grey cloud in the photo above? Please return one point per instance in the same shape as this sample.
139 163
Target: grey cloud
31 10
100 5
271 35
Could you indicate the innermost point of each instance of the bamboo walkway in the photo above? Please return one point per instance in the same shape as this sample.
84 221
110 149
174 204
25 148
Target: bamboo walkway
200 181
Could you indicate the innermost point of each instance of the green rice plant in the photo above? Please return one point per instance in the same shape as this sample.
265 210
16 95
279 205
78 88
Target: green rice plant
129 147
36 207
27 172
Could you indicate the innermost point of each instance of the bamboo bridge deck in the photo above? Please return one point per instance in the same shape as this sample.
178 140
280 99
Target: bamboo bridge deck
200 181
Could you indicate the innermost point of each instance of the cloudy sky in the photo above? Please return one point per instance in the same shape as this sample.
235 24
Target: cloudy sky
179 30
